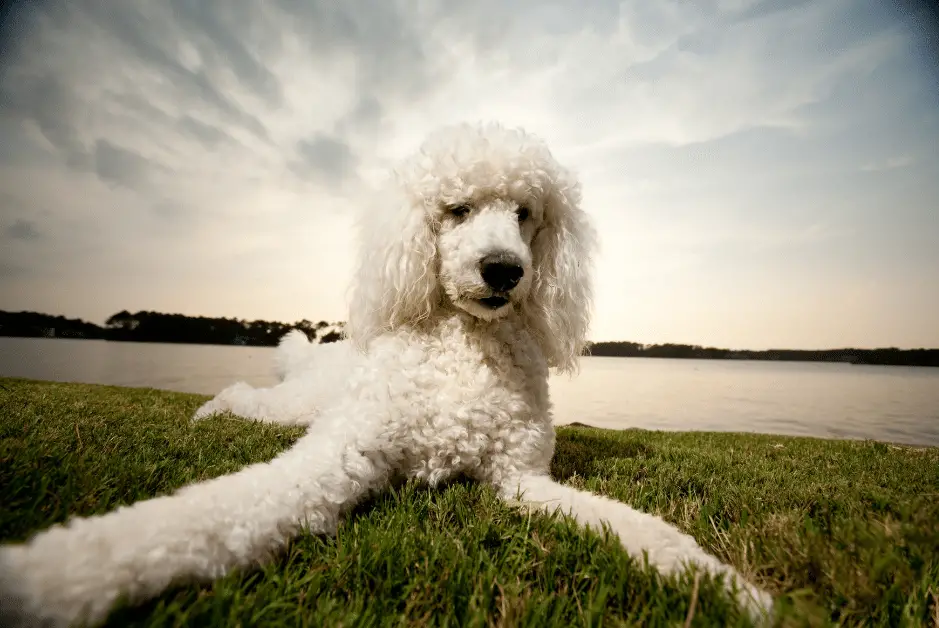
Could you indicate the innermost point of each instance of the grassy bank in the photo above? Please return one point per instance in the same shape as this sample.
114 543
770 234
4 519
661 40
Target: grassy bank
844 531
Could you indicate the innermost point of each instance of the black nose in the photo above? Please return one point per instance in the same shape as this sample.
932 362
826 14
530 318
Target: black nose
501 271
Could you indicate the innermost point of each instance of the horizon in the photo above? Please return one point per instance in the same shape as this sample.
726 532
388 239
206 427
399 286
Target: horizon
590 342
749 195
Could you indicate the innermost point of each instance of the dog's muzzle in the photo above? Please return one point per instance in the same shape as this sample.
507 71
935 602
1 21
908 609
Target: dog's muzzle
501 272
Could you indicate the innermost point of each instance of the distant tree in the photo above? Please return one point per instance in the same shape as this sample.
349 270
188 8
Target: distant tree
122 320
332 336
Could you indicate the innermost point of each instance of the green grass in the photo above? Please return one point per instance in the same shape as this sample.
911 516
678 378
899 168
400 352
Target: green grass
844 532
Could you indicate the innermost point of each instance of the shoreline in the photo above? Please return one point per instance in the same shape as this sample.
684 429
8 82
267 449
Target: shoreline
919 358
628 423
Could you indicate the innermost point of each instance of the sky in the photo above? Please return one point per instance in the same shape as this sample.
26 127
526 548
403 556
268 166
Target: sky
761 173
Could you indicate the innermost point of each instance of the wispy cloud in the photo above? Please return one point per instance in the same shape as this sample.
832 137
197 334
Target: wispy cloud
888 164
22 230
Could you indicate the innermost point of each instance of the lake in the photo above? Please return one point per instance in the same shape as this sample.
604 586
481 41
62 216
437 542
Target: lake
889 403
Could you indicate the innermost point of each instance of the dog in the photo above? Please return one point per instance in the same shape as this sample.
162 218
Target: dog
474 279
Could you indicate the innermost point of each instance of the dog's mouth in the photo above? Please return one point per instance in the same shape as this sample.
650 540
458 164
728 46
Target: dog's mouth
494 302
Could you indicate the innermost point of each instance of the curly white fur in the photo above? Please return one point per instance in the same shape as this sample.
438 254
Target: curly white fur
445 373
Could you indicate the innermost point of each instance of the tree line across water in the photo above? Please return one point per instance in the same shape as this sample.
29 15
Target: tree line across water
887 356
159 327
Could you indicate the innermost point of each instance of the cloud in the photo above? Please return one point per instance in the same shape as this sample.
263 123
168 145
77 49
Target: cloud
22 230
740 158
12 270
890 163
328 156
151 32
220 26
48 103
211 136
120 166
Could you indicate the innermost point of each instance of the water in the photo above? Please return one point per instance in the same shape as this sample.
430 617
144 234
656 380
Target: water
896 404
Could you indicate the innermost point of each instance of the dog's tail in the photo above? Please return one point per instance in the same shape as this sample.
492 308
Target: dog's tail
294 349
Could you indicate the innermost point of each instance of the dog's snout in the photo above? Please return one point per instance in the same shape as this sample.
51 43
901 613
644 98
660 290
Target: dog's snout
501 271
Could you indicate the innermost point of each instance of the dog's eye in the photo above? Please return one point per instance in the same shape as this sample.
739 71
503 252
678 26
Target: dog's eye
522 214
459 210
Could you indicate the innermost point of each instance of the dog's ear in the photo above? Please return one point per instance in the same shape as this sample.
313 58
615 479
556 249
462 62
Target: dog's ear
396 279
559 306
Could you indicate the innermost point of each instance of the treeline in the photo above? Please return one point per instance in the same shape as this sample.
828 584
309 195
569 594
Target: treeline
159 327
889 356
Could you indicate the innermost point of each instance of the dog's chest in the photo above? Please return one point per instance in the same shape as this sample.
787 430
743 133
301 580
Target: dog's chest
476 400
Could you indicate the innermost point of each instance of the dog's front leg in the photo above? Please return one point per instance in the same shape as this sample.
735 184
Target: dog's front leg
74 573
668 549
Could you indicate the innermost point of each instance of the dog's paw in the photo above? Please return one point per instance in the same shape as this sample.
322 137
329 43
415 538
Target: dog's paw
223 402
37 591
757 603
206 410
14 608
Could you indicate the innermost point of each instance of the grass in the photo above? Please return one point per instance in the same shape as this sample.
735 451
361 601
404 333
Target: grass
845 532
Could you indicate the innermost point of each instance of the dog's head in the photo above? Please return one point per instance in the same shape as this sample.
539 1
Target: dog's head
487 221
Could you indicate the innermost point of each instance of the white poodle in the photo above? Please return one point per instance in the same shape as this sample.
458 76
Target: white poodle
473 280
